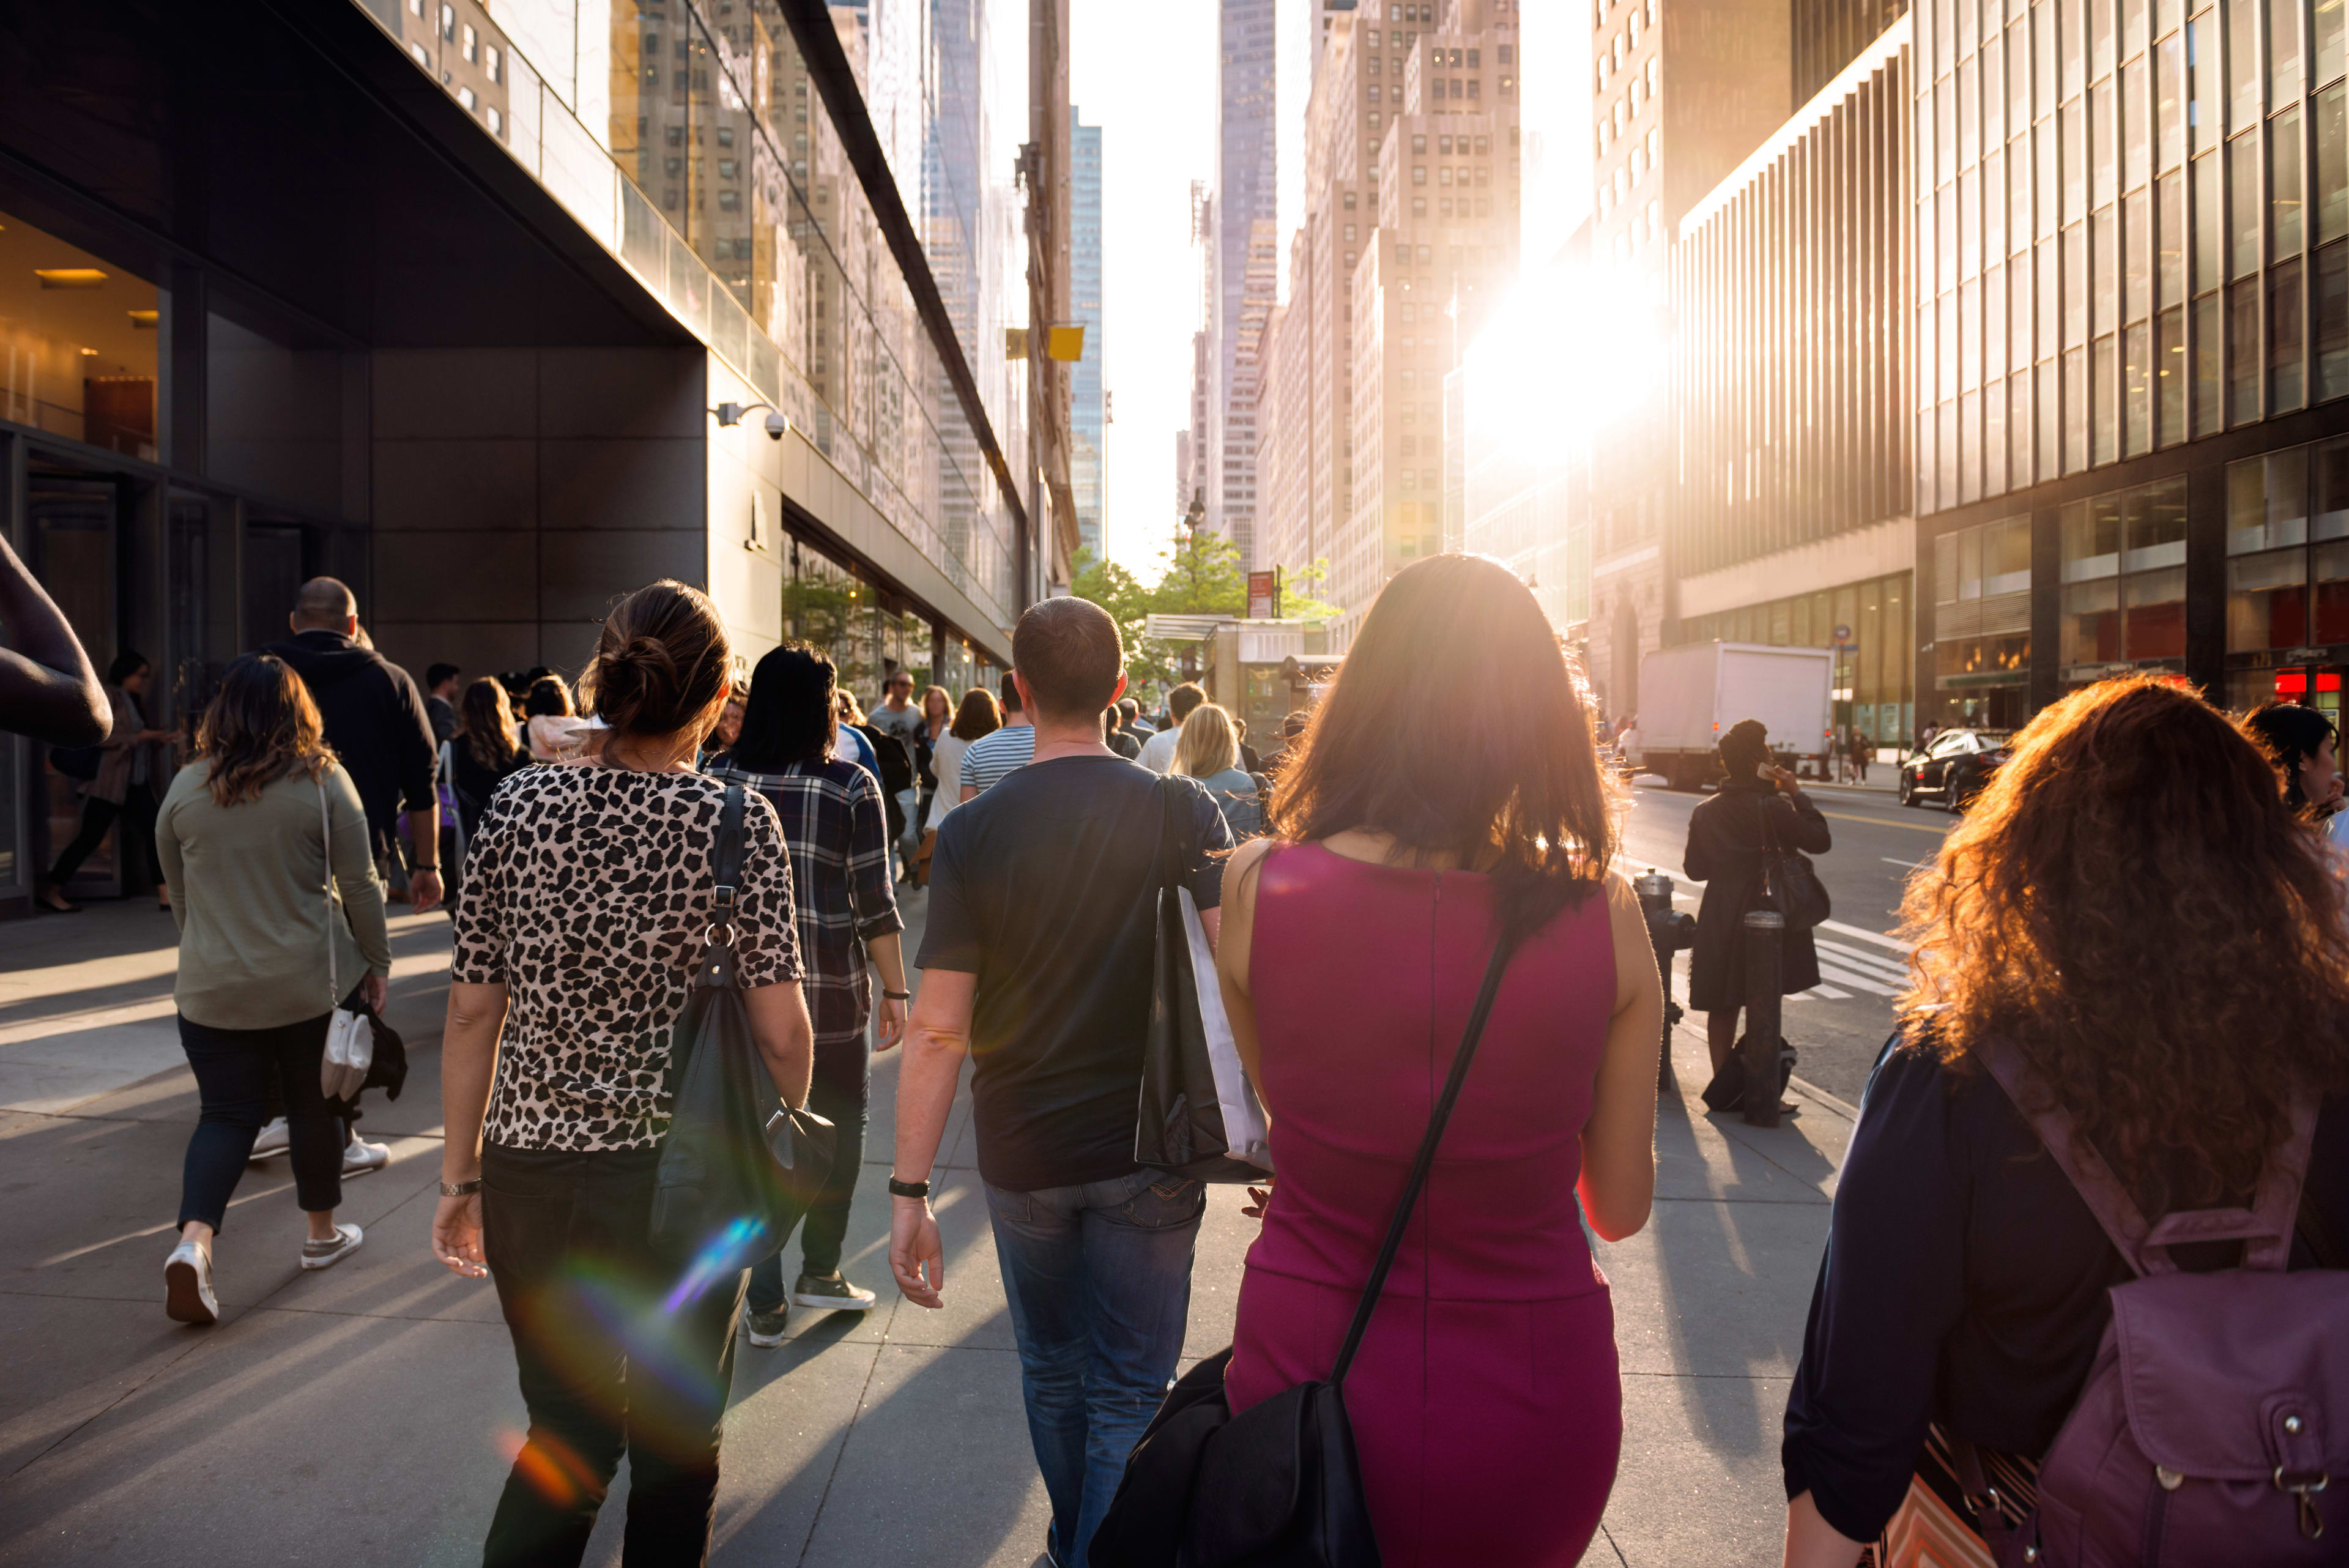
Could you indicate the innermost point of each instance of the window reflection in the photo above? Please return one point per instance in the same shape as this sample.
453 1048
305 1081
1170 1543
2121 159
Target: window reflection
78 342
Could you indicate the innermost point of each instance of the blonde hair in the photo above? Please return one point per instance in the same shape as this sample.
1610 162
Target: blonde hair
1209 744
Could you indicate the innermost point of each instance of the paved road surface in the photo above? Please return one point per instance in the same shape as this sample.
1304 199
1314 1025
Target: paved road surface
1837 1029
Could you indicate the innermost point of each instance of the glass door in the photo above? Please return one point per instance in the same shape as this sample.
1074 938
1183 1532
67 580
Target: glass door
71 521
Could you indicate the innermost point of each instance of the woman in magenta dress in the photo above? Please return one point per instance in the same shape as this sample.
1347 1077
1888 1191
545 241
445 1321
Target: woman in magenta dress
1449 788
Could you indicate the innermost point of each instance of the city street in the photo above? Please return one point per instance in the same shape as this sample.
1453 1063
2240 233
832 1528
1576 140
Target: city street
1837 1029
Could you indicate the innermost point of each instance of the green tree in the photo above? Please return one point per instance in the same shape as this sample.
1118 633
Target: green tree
1201 576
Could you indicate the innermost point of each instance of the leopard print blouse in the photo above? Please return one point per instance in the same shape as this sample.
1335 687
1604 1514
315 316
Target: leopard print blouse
586 892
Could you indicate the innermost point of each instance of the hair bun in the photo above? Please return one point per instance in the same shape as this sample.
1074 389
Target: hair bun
661 660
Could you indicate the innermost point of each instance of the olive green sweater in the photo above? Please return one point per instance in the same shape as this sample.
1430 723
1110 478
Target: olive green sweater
249 890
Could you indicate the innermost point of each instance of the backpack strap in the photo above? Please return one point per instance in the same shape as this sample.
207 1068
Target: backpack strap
2265 1227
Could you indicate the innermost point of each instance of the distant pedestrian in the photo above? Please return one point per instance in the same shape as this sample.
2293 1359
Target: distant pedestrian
2130 925
851 744
588 902
1209 751
1292 740
552 727
937 721
377 725
1860 747
1038 956
442 685
1158 751
1249 759
723 734
484 751
1117 740
2302 743
133 765
898 715
253 834
838 834
1758 805
1438 813
889 757
1129 720
989 760
48 690
979 716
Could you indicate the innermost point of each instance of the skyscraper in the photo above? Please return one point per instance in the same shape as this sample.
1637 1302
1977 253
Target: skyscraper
1242 260
1088 410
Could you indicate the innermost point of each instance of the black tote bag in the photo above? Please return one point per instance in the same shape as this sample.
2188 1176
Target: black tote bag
1198 1115
1278 1485
1790 883
738 1166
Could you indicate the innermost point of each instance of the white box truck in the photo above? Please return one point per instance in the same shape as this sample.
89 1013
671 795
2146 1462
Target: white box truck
1689 696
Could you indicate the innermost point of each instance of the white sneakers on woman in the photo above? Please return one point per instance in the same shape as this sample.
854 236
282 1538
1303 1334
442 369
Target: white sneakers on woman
359 1157
188 1285
334 1250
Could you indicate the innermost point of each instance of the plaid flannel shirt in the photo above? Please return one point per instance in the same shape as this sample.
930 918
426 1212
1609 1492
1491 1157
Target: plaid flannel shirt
838 835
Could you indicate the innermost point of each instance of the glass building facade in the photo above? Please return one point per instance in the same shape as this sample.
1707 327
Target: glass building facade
2132 289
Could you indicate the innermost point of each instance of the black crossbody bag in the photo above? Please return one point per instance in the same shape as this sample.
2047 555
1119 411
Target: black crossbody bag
1278 1485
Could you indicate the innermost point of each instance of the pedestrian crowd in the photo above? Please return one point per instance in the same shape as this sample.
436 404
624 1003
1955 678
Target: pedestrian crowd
1414 938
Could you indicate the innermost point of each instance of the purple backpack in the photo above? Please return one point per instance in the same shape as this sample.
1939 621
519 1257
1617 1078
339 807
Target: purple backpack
2218 1407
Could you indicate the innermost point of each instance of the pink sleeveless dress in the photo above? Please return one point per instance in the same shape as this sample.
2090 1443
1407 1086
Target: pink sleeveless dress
1486 1409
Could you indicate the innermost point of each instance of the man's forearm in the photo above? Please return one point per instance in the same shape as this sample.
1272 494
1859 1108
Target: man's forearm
926 1092
888 956
424 835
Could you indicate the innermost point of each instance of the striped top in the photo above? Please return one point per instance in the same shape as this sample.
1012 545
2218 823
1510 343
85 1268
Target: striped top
992 756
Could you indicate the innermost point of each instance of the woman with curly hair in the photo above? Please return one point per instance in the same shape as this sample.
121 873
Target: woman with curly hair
2134 913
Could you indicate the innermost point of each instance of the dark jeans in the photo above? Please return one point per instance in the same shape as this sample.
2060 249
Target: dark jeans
135 851
617 1354
840 1091
235 1069
1098 1278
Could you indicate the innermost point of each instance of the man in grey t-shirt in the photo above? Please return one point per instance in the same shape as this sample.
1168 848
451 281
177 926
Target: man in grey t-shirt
897 715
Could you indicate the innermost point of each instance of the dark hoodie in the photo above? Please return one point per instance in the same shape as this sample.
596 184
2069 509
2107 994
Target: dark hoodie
375 721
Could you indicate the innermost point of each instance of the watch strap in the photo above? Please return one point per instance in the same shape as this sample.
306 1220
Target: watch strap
896 995
908 1188
461 1188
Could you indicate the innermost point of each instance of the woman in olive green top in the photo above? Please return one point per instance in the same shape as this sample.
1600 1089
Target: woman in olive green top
244 837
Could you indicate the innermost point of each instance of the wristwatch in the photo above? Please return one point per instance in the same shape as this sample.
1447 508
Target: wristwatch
908 1188
461 1188
896 995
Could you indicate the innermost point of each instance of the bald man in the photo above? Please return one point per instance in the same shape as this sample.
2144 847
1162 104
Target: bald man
376 723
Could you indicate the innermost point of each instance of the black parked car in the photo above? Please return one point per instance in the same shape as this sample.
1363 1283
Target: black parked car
1954 769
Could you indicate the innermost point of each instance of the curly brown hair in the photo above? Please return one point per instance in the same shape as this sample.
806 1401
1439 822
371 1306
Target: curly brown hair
2131 904
261 727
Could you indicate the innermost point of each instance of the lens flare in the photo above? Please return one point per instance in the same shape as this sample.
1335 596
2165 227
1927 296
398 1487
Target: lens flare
728 1252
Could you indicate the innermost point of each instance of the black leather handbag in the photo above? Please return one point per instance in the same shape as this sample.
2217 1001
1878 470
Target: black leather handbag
738 1166
1278 1485
1790 883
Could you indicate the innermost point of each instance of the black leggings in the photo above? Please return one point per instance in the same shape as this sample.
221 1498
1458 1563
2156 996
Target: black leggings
135 852
235 1070
620 1351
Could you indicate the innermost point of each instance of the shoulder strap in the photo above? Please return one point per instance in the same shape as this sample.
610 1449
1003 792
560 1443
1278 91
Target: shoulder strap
326 843
726 859
2265 1227
1401 1223
1171 860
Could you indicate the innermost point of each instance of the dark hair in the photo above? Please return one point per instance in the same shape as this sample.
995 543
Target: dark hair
662 665
1182 699
262 727
485 719
1416 740
790 716
548 698
1746 748
2130 903
436 673
1068 652
1294 725
979 715
2290 734
126 664
1010 693
1128 709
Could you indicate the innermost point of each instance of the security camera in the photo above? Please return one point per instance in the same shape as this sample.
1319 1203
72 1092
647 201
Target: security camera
776 426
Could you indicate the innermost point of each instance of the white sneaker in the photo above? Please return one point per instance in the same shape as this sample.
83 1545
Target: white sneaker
188 1285
359 1157
326 1255
273 1139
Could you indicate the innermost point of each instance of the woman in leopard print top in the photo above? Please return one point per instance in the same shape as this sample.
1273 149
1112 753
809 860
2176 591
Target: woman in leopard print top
588 890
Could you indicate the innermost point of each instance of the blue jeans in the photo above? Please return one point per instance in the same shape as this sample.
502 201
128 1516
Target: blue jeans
1099 1281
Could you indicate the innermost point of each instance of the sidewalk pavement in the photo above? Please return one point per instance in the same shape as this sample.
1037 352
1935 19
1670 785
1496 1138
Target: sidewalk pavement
366 1414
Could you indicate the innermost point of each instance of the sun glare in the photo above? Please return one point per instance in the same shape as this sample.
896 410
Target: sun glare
1578 348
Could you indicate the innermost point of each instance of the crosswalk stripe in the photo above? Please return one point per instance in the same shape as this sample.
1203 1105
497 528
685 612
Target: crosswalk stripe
1821 992
1845 977
1866 962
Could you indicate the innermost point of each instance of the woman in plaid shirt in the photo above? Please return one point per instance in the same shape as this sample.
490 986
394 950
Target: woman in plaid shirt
835 825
